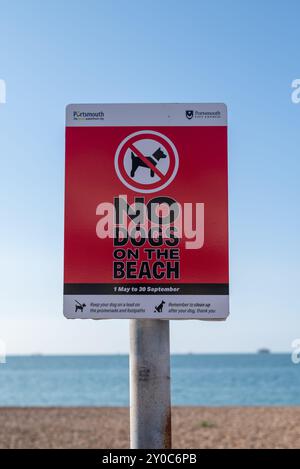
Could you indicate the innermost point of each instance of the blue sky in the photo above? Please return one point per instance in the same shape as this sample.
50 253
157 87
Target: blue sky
245 54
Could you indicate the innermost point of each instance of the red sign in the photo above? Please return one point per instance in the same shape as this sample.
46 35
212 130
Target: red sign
146 231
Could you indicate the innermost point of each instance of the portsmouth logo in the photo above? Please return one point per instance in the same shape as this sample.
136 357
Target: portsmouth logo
189 114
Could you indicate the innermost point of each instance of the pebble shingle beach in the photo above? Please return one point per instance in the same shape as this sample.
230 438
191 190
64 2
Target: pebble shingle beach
108 427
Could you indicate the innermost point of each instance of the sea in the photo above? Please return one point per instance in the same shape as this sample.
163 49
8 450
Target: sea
102 380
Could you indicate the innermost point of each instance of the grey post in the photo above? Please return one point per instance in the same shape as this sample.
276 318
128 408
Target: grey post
150 402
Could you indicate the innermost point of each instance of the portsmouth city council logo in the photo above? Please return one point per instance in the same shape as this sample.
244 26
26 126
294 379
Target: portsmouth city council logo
189 114
146 161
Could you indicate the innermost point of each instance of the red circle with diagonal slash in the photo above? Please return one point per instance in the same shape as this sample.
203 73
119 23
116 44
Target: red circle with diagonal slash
129 144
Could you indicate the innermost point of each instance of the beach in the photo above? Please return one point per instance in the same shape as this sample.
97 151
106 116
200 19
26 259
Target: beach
108 427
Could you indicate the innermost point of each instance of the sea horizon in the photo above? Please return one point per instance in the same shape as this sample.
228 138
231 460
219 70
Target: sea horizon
246 379
47 354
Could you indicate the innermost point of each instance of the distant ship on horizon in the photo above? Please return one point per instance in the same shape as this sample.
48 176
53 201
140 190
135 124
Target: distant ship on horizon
263 351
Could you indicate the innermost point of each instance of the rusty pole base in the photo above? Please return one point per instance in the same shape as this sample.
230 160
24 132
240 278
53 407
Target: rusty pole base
150 402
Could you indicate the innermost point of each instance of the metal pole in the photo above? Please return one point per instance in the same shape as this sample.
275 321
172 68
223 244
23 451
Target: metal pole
150 407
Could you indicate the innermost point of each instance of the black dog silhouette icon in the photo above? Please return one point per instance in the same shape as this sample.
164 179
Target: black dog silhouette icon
159 308
79 306
154 159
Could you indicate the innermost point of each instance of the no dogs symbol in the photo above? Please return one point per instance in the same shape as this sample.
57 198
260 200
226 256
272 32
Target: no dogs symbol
146 161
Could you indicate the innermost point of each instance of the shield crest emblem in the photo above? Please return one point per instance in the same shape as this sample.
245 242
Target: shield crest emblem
189 114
